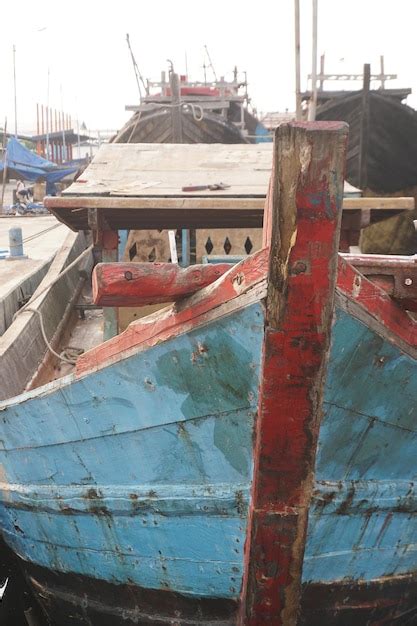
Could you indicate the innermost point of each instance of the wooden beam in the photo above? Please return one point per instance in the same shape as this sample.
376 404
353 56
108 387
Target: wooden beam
78 203
305 213
138 284
176 115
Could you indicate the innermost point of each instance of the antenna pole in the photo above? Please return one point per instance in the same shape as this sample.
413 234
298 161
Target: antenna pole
211 64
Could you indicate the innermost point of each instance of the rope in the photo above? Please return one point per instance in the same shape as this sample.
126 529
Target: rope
45 338
193 109
35 297
41 232
65 271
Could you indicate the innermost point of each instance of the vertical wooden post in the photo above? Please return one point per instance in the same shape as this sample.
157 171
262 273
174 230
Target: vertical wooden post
364 128
176 119
297 60
305 206
106 244
321 82
185 247
110 241
381 58
123 237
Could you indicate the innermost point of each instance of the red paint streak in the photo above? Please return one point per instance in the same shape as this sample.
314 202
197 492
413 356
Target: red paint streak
137 284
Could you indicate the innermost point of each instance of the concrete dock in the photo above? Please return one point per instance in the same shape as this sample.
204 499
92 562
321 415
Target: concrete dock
43 235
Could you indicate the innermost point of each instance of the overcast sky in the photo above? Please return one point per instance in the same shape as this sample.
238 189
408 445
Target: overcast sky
83 44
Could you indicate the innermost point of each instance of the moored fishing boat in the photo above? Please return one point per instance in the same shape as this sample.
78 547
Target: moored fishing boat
245 456
180 111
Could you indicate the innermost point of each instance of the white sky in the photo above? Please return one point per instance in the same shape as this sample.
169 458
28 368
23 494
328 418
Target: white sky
83 45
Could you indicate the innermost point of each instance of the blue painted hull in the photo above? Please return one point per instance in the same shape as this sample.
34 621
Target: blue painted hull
138 477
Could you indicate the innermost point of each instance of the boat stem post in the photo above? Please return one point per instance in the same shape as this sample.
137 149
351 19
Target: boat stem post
304 204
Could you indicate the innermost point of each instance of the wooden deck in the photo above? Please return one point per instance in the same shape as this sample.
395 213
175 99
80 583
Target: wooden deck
126 182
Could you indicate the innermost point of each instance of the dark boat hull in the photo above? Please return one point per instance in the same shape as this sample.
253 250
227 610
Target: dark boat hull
75 600
156 127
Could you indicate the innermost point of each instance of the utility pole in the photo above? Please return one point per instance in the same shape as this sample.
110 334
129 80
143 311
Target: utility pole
47 119
15 95
313 100
297 60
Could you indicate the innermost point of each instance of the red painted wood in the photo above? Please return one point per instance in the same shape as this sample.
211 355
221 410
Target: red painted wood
376 302
181 317
397 275
297 338
137 284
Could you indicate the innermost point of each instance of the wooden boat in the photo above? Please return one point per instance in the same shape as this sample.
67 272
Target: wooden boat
245 456
381 161
190 112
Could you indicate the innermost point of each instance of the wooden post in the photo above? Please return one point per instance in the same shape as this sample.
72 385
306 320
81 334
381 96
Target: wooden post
106 243
321 82
364 128
123 237
4 146
185 247
381 58
110 240
305 207
176 119
297 61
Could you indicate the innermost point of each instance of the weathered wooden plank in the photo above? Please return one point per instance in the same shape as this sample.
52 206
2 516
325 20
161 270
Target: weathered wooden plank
137 284
305 214
216 202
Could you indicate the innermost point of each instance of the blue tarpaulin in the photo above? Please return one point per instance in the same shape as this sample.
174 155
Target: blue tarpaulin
29 166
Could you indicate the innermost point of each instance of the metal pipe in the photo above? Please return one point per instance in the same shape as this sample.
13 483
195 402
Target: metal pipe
297 61
15 94
313 100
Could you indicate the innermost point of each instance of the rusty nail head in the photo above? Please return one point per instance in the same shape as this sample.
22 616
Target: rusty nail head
128 275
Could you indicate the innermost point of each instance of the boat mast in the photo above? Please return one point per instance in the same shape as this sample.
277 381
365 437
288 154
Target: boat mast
210 63
138 75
